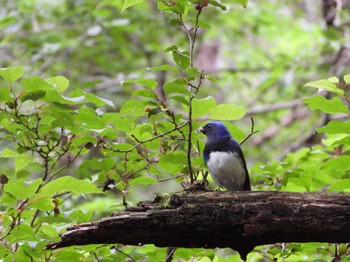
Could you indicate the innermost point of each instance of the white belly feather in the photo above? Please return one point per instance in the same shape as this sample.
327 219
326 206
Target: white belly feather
227 170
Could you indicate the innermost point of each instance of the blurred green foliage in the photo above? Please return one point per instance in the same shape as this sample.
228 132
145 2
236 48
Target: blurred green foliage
132 82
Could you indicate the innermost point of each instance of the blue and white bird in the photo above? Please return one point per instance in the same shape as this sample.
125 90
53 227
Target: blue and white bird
224 158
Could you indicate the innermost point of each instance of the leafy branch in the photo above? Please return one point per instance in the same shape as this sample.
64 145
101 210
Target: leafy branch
192 40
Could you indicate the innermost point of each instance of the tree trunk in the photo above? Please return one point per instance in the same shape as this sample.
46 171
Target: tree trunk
240 220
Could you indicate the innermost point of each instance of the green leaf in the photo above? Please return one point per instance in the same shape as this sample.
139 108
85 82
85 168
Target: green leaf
83 140
98 101
26 252
174 162
242 2
164 68
343 141
41 202
22 161
79 216
341 186
217 4
347 79
35 83
70 184
144 93
176 87
15 188
192 73
171 48
323 104
5 94
326 85
227 112
61 83
306 178
178 7
135 107
122 146
162 6
78 97
105 164
100 205
180 99
334 79
143 131
90 119
212 79
11 74
24 232
236 132
129 3
68 254
33 95
49 230
201 107
150 83
32 187
8 153
181 59
19 190
143 180
54 97
341 163
335 127
35 88
119 121
174 22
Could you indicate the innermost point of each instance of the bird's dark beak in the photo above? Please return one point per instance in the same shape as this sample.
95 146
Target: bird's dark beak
201 129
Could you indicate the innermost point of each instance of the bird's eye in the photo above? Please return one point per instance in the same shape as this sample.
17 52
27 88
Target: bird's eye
209 126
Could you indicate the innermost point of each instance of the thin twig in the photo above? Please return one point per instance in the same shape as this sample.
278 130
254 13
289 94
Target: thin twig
343 87
170 254
190 128
70 161
121 252
96 257
170 178
187 31
138 170
169 113
148 140
196 27
252 132
189 142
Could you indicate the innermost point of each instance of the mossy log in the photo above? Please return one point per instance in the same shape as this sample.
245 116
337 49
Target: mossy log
240 220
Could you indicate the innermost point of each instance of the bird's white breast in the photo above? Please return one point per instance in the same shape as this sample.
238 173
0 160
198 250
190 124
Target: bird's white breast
227 170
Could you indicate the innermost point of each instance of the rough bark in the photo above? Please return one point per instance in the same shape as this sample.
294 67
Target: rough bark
239 220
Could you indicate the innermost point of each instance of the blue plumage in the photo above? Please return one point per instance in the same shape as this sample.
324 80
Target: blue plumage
224 158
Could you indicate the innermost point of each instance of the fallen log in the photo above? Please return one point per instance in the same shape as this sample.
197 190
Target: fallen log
240 220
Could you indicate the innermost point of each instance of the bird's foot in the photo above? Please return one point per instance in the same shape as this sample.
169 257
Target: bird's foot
196 186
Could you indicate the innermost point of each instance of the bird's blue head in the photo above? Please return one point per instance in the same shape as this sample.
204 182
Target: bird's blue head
215 131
